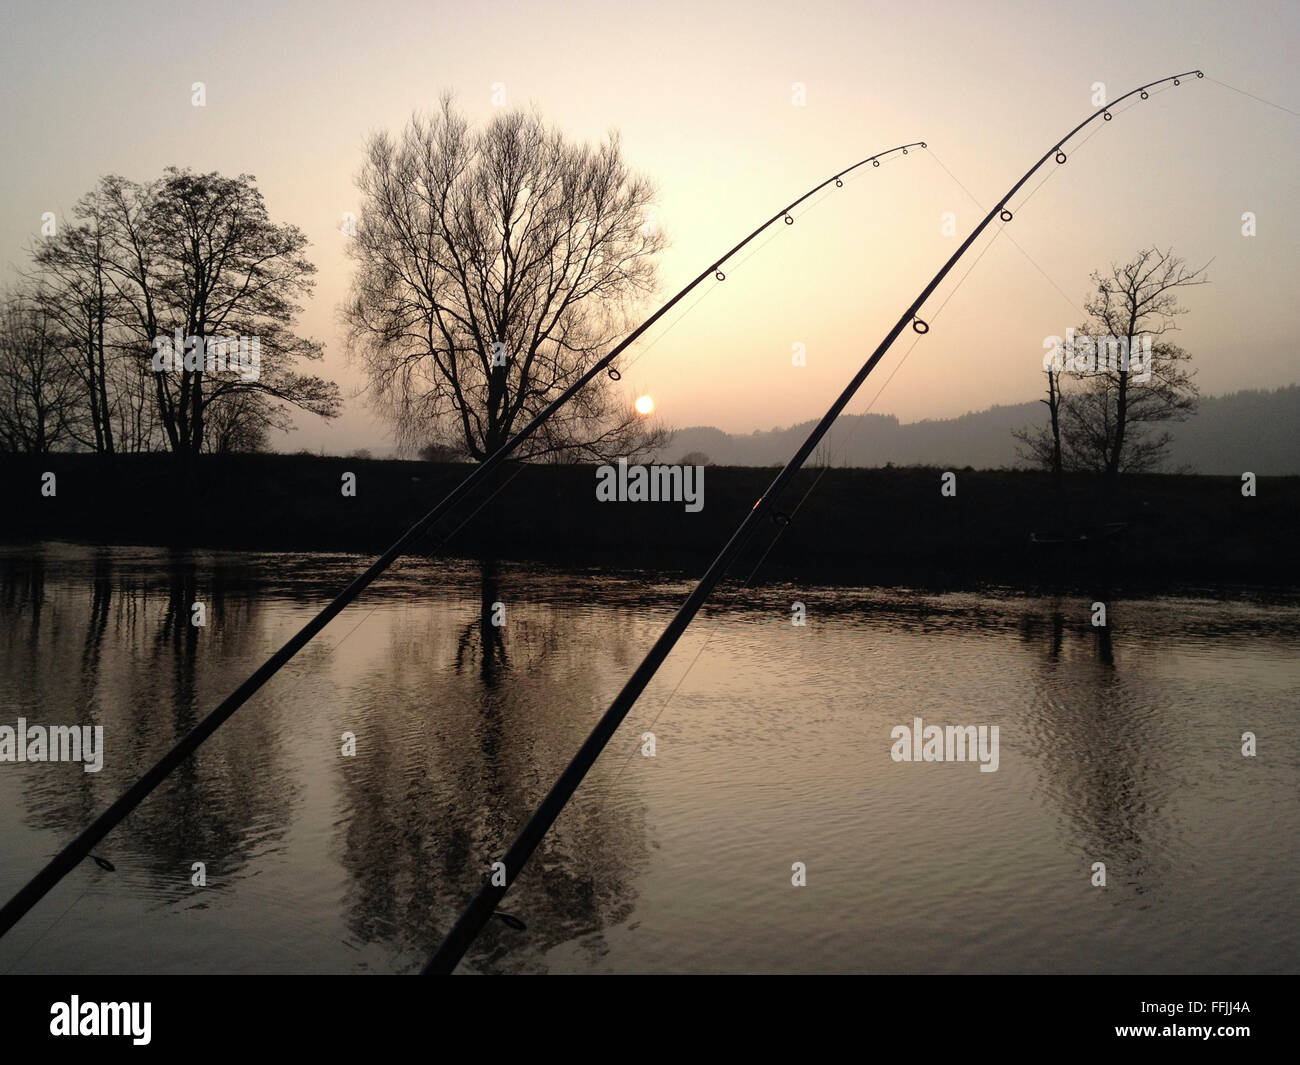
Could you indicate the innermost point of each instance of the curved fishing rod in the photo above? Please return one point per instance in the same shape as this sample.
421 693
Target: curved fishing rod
63 862
481 908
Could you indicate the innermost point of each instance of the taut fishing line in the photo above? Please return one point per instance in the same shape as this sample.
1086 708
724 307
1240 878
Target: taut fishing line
483 905
67 859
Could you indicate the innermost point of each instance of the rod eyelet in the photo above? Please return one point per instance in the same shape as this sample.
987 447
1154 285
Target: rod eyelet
1106 115
1145 94
780 517
720 275
875 162
1060 157
1177 82
789 221
920 326
904 151
1200 73
1005 215
924 145
614 375
839 184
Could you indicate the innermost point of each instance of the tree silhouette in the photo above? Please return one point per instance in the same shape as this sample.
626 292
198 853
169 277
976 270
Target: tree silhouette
493 268
1108 423
189 254
38 388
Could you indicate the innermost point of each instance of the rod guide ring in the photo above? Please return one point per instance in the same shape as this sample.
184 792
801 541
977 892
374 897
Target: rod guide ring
920 326
1005 215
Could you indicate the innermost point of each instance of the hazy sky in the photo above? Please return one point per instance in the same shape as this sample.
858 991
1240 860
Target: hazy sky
702 96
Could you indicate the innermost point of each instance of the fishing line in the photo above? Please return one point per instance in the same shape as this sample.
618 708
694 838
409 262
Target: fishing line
608 787
1254 97
434 549
480 909
1013 240
781 527
703 646
48 929
449 536
844 447
289 688
885 161
1002 230
78 848
334 647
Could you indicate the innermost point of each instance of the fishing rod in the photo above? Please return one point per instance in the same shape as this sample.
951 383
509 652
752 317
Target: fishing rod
63 862
483 905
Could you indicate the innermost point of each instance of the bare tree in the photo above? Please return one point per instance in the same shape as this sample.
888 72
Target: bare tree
1113 418
1109 423
39 389
197 256
72 286
137 426
1041 446
238 422
493 268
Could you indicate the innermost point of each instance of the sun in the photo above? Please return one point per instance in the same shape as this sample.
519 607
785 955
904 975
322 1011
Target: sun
644 405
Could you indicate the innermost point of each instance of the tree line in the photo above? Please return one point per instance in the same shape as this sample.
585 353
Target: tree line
492 266
187 261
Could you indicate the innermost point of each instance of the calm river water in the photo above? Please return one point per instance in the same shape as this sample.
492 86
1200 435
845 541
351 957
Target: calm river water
772 745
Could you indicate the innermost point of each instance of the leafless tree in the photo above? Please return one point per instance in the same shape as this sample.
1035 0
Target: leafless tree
1114 417
493 267
238 422
39 389
71 283
1110 423
1041 446
197 255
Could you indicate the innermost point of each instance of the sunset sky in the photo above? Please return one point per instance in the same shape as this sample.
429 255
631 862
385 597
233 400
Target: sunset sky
702 95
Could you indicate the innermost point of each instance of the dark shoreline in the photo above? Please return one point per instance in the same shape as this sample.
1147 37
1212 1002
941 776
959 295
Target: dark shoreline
858 526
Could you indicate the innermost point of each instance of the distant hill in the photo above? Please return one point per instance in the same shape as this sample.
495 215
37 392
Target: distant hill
1252 430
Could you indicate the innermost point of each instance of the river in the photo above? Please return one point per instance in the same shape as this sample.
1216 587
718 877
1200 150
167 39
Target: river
771 830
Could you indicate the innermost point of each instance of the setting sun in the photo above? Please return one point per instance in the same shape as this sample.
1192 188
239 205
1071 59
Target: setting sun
644 405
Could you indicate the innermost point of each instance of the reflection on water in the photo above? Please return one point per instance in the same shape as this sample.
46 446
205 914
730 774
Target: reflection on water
1119 744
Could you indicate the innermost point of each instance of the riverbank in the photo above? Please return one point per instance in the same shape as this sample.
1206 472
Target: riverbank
858 526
